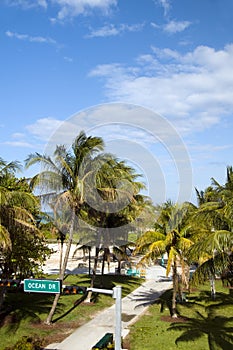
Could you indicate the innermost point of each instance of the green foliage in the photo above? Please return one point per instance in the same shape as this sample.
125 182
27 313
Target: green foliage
27 343
24 248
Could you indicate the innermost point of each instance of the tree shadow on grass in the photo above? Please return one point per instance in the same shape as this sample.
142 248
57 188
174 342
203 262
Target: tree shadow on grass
215 327
110 281
208 321
21 306
77 303
145 298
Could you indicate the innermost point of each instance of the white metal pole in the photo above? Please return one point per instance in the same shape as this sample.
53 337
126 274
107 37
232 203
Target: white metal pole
117 296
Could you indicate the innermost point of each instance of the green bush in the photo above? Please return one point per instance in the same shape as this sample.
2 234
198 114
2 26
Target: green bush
27 343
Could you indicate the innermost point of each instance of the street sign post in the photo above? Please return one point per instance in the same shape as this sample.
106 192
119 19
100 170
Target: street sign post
116 294
42 286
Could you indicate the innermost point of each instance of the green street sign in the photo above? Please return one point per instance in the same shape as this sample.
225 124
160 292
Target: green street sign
42 286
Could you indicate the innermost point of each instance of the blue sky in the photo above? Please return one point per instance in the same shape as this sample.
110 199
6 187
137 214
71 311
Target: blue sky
153 77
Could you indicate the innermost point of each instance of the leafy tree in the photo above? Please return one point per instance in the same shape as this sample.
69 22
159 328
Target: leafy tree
18 212
23 247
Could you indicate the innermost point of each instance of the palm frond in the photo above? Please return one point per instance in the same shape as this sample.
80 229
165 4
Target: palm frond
5 241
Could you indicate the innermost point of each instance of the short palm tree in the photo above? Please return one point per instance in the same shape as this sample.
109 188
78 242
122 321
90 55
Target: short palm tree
171 236
213 242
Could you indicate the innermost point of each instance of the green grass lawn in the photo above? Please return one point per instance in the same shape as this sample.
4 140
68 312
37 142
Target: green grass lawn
200 317
26 312
202 324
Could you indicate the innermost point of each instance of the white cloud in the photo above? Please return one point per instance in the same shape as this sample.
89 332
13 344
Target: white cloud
176 26
194 89
68 59
67 8
209 147
23 144
44 128
172 27
32 39
112 30
18 135
27 4
166 4
72 8
40 131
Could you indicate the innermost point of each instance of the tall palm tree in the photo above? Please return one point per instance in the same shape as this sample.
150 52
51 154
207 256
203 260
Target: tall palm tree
171 236
64 178
120 204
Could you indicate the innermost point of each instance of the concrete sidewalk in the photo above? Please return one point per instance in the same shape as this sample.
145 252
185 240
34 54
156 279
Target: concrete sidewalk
133 306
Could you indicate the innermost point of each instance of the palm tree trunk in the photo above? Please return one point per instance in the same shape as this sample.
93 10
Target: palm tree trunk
103 262
61 255
106 257
175 285
89 295
212 287
70 241
2 296
52 310
119 267
89 261
63 269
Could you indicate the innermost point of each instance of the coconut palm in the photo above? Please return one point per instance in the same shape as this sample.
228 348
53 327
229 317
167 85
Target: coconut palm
118 193
225 194
213 224
64 178
171 236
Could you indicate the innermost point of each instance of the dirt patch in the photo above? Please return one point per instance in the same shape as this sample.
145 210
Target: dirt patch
8 319
59 331
127 318
170 319
126 343
87 303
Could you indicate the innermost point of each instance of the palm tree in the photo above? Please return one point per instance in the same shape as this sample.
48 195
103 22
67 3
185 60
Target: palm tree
225 193
64 178
120 205
213 237
171 236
